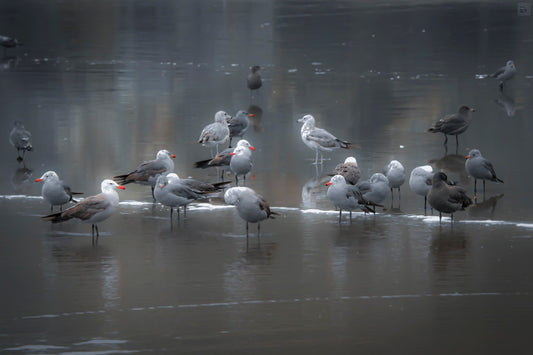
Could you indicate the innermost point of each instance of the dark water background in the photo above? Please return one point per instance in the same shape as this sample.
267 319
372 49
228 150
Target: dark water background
103 85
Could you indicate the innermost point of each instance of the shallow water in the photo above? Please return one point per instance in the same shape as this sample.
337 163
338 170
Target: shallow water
102 86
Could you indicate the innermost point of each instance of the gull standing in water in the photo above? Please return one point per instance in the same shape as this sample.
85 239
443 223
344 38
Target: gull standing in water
238 125
254 81
349 170
346 197
480 168
148 171
395 173
453 124
375 189
217 132
420 181
20 138
251 206
505 73
319 139
241 160
93 209
55 191
173 192
447 198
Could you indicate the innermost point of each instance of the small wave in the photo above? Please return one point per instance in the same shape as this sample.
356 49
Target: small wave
101 342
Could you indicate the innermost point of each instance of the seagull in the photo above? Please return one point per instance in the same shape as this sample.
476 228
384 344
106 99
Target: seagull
349 170
395 173
147 172
251 206
238 124
420 181
93 209
375 189
447 198
217 132
241 160
254 81
319 139
173 192
505 73
480 168
55 191
453 124
346 196
20 138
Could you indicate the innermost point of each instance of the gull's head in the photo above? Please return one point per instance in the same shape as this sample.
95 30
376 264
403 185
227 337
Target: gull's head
48 176
164 154
350 160
336 179
110 185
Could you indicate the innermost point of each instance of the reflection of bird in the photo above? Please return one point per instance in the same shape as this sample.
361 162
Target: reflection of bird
349 170
447 198
241 160
487 206
238 124
453 165
55 191
346 196
93 209
251 206
507 103
254 81
217 132
313 191
148 171
375 189
420 181
395 173
8 63
20 138
505 73
257 113
453 124
480 168
22 179
319 139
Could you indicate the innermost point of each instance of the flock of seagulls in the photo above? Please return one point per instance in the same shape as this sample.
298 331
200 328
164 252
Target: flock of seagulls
345 190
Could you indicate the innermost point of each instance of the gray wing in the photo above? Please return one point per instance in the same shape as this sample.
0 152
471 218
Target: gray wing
498 72
86 208
322 137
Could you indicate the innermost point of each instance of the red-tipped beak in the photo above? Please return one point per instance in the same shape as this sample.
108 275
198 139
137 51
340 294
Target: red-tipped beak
39 179
161 186
252 148
172 156
251 115
468 157
121 187
232 153
328 183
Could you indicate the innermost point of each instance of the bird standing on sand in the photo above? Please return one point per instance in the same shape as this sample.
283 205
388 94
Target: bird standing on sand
453 124
215 133
20 138
148 171
254 81
93 209
480 168
505 73
447 198
55 191
346 196
319 139
251 206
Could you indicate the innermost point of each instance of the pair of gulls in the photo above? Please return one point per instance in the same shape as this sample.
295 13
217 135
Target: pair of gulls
224 128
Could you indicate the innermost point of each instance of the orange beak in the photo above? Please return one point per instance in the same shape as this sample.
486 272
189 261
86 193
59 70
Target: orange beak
468 157
161 186
328 183
251 115
252 148
121 187
172 156
232 153
39 179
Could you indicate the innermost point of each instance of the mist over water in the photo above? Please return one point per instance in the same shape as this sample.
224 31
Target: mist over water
103 86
